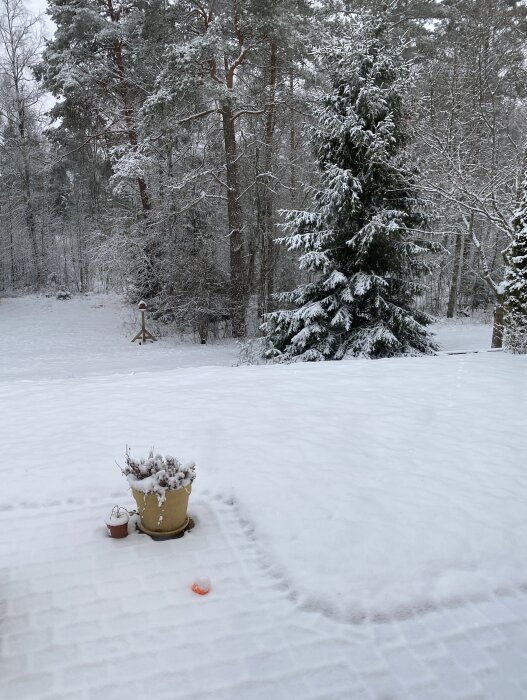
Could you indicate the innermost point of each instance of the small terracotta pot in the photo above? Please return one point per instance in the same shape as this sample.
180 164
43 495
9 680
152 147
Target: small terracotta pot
118 531
117 523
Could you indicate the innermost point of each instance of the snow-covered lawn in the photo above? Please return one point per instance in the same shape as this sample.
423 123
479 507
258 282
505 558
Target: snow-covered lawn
459 334
355 502
90 336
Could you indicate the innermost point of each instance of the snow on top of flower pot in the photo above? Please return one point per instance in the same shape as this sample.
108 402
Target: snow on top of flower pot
157 474
118 516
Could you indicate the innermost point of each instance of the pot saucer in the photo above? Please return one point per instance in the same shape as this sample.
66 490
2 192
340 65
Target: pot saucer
171 535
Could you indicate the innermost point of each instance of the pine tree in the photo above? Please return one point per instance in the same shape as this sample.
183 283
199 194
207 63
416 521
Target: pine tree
95 67
516 282
359 244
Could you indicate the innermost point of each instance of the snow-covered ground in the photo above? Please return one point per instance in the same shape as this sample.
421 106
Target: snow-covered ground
461 334
44 338
363 523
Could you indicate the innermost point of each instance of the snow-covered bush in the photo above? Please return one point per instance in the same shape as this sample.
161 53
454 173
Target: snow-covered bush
515 284
257 351
157 474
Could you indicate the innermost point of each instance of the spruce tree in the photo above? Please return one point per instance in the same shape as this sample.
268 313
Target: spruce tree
515 285
361 243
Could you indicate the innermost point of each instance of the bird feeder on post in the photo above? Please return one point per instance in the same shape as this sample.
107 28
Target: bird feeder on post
143 334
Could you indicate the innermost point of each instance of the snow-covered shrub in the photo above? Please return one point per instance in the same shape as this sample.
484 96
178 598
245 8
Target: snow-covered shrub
515 284
516 337
257 351
250 352
157 474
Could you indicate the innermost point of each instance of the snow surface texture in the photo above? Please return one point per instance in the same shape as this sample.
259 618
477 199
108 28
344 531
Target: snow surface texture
375 549
85 617
90 336
460 334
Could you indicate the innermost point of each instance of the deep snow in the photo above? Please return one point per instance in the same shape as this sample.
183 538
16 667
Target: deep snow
460 334
373 487
90 335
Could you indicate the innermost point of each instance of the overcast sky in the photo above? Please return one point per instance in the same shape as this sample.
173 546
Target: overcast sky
40 6
36 5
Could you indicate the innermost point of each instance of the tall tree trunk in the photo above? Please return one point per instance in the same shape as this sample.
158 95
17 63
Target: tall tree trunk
238 276
466 286
268 249
457 268
292 138
499 320
27 181
499 309
131 130
12 270
128 110
30 220
454 280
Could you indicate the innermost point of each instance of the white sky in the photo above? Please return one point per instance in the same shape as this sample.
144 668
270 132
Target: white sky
36 5
40 6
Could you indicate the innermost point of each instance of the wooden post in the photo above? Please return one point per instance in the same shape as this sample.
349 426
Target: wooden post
143 334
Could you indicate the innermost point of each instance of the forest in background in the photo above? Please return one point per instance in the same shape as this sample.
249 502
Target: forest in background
177 135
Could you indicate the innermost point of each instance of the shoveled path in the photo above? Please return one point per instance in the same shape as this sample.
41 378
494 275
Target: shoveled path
84 617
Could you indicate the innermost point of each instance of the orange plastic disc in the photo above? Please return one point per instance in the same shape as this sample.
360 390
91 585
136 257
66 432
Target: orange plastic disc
200 591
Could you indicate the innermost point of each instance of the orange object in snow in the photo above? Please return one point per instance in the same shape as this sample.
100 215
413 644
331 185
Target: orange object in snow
201 586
